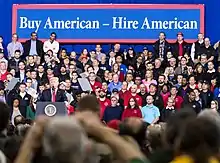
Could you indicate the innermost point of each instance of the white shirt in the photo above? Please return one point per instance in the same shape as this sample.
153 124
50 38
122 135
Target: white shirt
193 50
54 46
14 114
111 61
22 94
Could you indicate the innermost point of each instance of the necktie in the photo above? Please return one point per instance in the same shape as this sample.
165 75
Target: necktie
111 62
54 96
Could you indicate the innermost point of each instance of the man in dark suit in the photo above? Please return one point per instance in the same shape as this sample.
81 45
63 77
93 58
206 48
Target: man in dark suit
33 46
54 94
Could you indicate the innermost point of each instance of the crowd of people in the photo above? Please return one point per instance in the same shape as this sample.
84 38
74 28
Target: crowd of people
146 88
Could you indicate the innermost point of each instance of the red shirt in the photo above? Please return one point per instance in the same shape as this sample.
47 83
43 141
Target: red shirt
137 97
3 77
131 113
96 85
103 105
123 94
180 50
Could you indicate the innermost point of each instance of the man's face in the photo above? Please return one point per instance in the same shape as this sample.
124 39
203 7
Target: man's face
40 69
68 83
152 89
92 77
62 69
95 63
21 66
210 65
196 93
90 70
179 37
115 78
173 91
98 48
114 101
117 47
34 36
93 54
52 37
33 75
14 38
31 60
112 54
3 66
200 37
119 59
205 86
54 82
207 42
17 55
29 83
41 88
192 96
179 79
142 88
161 79
183 61
149 100
9 77
124 86
203 59
129 77
134 89
161 36
1 55
22 88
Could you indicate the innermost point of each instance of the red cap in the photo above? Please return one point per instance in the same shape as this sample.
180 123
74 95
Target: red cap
114 124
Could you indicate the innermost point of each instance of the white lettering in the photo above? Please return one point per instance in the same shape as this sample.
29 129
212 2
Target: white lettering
30 24
123 23
48 23
172 24
146 24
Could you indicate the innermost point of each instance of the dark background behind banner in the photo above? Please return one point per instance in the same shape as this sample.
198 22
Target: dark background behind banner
212 16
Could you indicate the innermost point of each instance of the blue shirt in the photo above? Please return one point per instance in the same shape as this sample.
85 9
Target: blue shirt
123 68
33 49
113 85
149 113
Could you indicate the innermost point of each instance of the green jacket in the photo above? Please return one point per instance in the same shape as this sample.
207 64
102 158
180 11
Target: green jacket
30 114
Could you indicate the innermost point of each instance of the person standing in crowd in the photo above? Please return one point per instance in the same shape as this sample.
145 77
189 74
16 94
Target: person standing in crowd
161 47
13 46
169 110
33 46
180 47
51 44
197 48
150 112
208 50
104 102
115 83
206 94
112 112
3 71
132 110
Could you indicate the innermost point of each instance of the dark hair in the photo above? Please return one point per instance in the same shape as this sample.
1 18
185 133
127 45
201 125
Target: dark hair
33 33
198 141
17 51
19 119
136 104
53 33
4 116
175 125
89 102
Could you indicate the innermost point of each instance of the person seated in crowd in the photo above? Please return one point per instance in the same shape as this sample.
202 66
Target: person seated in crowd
169 110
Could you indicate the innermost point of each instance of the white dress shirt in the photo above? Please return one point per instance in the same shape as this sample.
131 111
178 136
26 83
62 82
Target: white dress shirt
54 46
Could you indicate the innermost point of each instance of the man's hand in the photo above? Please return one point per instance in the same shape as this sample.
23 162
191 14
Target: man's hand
88 120
35 133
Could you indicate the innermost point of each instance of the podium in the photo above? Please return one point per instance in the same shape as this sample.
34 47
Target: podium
51 109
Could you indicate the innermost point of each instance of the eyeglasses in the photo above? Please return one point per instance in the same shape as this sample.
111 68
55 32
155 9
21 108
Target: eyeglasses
132 101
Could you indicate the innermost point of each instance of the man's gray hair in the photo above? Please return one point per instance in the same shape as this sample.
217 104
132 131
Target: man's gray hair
211 115
65 141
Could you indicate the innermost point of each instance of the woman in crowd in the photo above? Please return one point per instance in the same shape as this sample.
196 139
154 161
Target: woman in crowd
132 110
149 79
214 105
116 70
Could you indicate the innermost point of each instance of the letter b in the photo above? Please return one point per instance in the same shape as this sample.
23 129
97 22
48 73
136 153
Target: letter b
23 22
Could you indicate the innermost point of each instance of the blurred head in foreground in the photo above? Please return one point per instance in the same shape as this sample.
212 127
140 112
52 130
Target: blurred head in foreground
65 141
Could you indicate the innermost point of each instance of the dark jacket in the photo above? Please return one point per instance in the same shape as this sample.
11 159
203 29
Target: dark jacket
156 47
47 96
175 49
39 48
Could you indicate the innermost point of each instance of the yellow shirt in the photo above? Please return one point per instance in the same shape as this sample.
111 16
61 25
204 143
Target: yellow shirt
188 159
